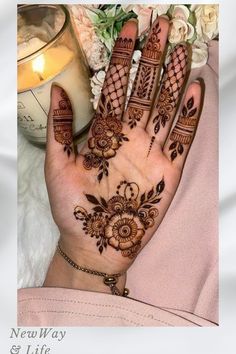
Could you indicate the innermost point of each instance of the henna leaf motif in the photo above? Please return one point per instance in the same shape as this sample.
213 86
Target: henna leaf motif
160 187
155 201
184 111
173 146
173 155
142 198
190 103
98 209
150 193
92 199
192 112
104 203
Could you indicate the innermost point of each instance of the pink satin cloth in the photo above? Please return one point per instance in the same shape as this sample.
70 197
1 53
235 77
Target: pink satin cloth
174 281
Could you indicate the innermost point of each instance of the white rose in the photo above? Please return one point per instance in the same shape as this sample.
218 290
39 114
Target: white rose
199 54
207 21
180 29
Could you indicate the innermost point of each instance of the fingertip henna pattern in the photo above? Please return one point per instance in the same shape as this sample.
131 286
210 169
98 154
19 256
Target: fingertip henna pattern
62 123
121 221
145 80
183 132
107 136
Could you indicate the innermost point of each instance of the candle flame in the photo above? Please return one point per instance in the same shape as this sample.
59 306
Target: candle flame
38 64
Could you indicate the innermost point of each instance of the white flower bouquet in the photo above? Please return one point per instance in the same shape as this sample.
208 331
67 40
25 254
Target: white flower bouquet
98 27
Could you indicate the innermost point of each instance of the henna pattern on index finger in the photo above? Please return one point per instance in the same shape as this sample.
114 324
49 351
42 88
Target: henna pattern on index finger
145 80
122 220
106 130
62 123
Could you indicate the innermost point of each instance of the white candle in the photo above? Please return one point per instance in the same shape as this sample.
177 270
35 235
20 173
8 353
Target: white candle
56 65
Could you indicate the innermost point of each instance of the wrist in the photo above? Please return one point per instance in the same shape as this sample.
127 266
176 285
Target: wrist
84 275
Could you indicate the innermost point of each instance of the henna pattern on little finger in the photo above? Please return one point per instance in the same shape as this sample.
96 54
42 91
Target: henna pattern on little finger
122 220
62 123
183 131
145 80
172 85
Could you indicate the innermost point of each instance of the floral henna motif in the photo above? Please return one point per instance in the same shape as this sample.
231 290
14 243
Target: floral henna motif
62 123
106 139
121 221
145 81
135 115
183 132
173 83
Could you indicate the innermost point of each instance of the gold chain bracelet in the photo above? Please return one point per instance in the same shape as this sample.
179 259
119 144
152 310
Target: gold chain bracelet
109 279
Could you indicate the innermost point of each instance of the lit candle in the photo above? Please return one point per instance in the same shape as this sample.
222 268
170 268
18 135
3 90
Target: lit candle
56 63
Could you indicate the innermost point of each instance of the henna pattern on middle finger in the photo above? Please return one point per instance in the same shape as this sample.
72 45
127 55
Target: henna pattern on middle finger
183 132
173 82
145 80
122 220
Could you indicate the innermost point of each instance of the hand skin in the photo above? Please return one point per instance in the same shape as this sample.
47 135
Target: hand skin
68 181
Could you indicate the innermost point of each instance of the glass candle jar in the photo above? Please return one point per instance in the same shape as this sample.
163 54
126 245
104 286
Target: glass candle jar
48 52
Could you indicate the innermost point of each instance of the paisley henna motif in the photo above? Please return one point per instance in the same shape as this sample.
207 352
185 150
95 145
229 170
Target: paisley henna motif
121 221
62 123
183 132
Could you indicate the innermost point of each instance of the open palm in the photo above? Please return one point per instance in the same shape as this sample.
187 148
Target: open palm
110 198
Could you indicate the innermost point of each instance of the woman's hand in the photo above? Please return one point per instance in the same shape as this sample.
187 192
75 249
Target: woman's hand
108 200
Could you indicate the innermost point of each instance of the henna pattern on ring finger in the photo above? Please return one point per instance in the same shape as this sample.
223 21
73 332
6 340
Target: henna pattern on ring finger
173 82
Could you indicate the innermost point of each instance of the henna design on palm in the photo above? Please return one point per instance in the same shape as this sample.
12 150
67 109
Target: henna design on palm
142 92
121 221
172 85
62 123
183 132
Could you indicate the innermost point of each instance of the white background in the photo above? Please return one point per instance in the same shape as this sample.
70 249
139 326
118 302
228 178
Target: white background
125 340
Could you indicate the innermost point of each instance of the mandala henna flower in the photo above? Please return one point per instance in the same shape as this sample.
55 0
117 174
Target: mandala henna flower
95 226
124 231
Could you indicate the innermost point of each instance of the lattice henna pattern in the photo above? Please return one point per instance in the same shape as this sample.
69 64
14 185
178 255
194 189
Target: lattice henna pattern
183 132
121 221
143 88
172 85
115 84
62 123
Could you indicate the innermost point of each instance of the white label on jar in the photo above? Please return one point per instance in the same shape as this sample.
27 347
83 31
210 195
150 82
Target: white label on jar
34 104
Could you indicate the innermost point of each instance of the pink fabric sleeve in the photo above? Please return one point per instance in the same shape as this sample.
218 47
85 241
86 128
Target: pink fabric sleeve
67 307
